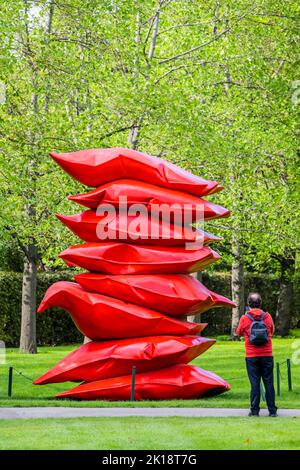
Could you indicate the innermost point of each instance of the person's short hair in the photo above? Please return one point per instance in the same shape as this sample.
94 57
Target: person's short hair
254 300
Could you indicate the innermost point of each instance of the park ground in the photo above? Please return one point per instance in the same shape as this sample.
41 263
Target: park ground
225 358
151 433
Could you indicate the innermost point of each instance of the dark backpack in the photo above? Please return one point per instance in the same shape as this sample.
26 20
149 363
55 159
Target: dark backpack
258 330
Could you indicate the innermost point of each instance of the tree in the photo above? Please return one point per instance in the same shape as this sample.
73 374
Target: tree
207 87
29 120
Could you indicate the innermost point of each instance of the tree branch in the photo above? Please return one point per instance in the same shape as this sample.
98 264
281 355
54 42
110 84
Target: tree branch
281 65
154 35
116 131
170 71
196 48
230 82
184 25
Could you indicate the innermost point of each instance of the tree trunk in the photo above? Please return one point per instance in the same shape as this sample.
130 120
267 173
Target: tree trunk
134 134
285 298
28 324
284 308
237 285
154 35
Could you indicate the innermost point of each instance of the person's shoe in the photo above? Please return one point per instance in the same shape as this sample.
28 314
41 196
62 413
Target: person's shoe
253 414
273 415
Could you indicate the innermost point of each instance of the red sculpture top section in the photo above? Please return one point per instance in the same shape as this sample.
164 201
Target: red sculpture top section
150 195
94 167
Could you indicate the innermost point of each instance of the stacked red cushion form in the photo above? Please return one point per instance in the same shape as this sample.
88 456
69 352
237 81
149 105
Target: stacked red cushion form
133 301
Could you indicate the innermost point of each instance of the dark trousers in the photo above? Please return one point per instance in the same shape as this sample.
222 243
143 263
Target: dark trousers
261 368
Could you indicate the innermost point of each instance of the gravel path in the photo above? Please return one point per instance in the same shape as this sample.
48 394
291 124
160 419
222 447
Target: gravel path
61 412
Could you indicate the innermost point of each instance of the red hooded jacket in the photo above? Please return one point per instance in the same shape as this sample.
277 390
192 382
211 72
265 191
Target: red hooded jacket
243 329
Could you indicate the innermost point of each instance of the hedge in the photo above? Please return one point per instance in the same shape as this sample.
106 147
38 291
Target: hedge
53 327
56 327
219 319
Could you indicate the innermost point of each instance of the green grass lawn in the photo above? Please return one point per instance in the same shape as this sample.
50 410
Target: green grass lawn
226 358
151 433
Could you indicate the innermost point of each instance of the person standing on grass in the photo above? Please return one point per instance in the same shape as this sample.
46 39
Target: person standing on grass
257 327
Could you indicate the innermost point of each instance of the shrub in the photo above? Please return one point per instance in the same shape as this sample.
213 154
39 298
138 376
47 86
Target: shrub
53 327
56 326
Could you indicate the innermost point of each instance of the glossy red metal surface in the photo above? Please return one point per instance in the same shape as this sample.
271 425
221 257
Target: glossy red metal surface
125 258
104 359
140 229
101 317
177 382
139 192
133 302
95 167
173 294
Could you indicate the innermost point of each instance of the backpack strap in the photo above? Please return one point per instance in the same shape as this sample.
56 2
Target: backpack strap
262 316
250 316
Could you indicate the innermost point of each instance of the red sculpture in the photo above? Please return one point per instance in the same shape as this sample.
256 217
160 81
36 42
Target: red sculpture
139 192
101 317
94 167
123 258
104 359
139 229
177 382
173 294
133 303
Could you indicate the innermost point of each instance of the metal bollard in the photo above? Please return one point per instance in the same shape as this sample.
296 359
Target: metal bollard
262 392
10 381
278 378
289 374
132 383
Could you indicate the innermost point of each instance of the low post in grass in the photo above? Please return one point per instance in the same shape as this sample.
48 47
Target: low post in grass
278 378
289 374
10 381
262 392
132 383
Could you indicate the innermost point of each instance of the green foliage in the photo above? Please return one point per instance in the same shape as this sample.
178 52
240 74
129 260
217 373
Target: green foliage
294 333
11 256
54 327
215 97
